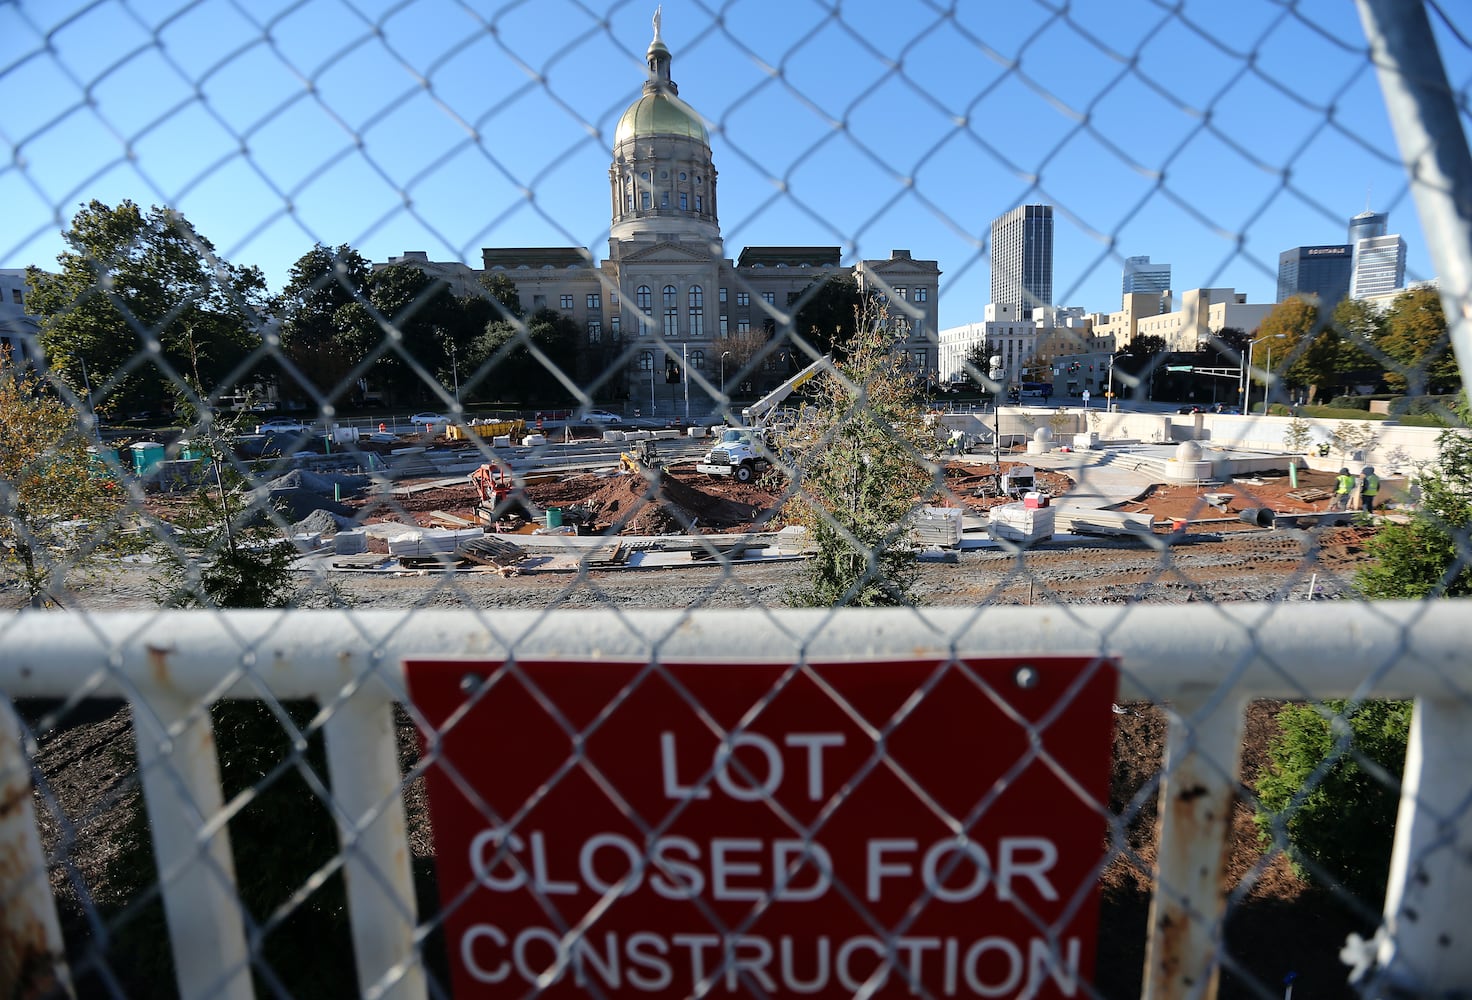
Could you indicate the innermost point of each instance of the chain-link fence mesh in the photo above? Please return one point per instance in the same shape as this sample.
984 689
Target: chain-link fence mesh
1055 560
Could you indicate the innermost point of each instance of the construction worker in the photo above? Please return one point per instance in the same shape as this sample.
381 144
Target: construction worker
1343 486
1369 486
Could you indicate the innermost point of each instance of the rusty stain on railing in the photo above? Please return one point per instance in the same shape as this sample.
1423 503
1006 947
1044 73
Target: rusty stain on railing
32 960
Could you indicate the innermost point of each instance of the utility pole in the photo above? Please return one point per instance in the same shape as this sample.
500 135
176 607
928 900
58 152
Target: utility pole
996 374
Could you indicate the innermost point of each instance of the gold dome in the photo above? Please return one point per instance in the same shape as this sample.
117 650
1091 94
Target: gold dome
660 114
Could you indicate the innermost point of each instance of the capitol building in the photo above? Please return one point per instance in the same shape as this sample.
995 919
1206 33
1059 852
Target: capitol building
667 299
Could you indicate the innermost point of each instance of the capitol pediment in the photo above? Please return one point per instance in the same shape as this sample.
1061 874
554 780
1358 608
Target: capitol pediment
667 253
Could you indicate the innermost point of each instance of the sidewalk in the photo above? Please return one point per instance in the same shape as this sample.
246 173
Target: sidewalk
1101 484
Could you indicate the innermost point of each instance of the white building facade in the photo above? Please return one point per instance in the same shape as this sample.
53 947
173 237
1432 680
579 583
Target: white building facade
1379 266
1202 312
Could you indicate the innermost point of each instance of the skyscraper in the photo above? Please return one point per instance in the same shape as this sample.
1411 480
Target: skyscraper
1022 258
1379 266
1368 225
1323 271
1142 276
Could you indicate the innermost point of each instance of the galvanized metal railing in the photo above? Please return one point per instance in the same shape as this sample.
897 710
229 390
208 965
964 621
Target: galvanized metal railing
1205 663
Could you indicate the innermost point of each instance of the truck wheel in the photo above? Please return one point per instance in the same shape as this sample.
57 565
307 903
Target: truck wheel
743 473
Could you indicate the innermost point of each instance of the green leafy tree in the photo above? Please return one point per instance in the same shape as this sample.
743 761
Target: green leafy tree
829 314
48 481
861 473
1330 793
1431 555
502 291
404 324
506 359
129 277
1414 338
317 331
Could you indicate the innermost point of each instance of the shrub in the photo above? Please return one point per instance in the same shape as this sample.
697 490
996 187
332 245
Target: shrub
1331 791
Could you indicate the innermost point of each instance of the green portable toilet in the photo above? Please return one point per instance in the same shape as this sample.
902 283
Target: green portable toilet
146 457
189 451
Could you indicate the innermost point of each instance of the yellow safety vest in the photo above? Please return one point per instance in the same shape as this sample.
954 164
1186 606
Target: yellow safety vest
1371 487
1346 484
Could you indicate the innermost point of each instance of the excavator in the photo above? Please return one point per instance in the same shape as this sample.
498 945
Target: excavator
498 494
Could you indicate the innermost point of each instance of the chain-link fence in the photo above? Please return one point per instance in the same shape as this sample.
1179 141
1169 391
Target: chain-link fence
670 622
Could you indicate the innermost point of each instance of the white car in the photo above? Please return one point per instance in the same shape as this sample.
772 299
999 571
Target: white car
600 417
428 419
281 426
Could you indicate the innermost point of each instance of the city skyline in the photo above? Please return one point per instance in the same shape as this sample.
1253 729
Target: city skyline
871 129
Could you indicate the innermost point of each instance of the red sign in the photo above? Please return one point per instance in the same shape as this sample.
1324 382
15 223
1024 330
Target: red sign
923 827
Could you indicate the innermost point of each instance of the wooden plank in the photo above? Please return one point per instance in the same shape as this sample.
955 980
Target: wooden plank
448 520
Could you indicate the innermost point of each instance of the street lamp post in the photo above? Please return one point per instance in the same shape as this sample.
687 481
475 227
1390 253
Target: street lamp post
1246 392
455 370
724 356
996 373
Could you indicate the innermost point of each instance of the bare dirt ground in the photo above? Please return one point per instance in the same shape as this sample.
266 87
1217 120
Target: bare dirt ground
1276 924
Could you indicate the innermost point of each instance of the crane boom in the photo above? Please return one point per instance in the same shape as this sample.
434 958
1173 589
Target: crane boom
757 413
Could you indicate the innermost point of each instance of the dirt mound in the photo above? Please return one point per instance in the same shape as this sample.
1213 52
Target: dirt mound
681 501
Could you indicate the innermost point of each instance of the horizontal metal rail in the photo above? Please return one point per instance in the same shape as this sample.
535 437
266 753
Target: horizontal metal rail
1205 662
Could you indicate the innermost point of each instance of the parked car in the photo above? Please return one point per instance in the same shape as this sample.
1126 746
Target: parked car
428 419
281 426
600 417
1190 409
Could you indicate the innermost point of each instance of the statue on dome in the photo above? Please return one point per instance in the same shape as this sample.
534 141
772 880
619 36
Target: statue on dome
658 17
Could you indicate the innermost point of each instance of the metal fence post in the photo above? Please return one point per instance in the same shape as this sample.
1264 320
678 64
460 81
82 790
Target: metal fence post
1197 792
32 958
1428 128
1426 949
196 874
362 757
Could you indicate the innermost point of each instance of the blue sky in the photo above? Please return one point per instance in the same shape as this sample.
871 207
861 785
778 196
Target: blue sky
1210 138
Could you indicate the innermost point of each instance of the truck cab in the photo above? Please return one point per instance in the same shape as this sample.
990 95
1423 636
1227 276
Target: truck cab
740 452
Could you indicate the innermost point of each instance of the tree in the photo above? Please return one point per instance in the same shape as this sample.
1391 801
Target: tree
860 473
1414 339
829 312
978 363
48 480
130 277
316 330
408 321
1431 555
1329 793
507 367
223 553
502 291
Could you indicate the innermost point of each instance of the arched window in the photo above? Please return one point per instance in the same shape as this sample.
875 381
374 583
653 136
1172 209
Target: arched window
646 361
697 311
642 298
671 311
697 359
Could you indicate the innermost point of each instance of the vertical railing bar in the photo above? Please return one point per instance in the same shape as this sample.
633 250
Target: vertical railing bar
32 954
181 790
362 759
1428 129
1424 945
1198 791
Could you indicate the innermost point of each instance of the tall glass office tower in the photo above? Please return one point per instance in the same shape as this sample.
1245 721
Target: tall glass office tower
1022 258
